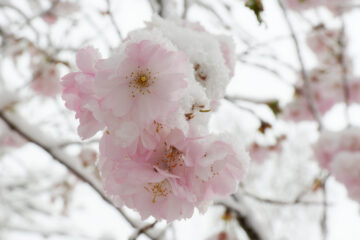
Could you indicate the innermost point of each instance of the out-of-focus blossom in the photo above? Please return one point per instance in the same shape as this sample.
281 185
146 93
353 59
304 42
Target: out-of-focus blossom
259 153
346 169
9 138
59 9
335 6
325 43
88 157
327 90
46 80
330 144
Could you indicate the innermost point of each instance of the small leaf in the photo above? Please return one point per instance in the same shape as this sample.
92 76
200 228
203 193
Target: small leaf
257 7
263 126
274 106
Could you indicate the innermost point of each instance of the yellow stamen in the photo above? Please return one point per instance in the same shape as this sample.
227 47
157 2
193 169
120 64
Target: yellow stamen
143 78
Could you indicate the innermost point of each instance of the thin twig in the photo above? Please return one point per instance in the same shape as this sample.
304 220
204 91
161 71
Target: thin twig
325 205
59 157
112 19
304 75
296 202
243 221
143 230
344 70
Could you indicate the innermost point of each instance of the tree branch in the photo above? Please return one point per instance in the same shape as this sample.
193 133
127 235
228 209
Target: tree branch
61 157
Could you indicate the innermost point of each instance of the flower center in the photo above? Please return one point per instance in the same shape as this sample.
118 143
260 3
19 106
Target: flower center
160 189
171 159
140 81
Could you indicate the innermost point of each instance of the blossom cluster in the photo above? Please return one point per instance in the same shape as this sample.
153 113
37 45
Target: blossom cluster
153 99
335 6
327 79
339 152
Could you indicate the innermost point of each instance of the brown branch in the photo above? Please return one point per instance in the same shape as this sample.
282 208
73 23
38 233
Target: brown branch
143 230
325 204
243 221
304 75
59 157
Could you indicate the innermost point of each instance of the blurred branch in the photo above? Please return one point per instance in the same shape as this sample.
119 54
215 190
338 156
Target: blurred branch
210 9
297 201
344 70
23 15
304 75
47 233
325 205
267 69
142 230
30 44
250 100
112 19
248 110
243 220
62 159
186 6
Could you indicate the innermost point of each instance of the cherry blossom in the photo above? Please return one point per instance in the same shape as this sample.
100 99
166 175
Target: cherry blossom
346 169
156 154
330 144
78 92
146 84
181 173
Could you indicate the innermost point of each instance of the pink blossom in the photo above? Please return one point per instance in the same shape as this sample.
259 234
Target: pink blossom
354 90
147 83
332 143
46 80
78 92
49 18
325 44
299 5
260 153
346 169
154 182
218 166
297 111
335 6
88 157
168 182
9 138
326 89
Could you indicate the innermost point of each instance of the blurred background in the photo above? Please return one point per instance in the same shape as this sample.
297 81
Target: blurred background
49 184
